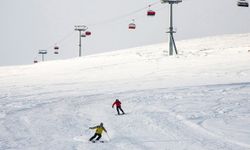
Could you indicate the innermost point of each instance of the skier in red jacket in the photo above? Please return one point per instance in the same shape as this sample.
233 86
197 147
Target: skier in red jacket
118 106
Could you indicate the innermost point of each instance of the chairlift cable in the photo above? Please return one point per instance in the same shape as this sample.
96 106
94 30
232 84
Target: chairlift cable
123 16
106 22
62 39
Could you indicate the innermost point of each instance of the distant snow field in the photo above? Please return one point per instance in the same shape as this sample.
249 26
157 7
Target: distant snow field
198 100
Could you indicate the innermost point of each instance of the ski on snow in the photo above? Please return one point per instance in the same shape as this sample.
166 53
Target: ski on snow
98 141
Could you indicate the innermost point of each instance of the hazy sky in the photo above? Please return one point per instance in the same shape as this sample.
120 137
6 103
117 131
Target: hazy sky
30 25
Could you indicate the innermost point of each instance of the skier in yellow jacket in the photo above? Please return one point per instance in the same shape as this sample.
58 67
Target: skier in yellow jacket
98 132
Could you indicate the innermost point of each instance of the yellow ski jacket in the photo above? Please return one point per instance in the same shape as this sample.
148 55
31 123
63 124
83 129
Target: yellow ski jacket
99 129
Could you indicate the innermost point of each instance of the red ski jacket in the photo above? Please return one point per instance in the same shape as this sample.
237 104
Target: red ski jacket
117 103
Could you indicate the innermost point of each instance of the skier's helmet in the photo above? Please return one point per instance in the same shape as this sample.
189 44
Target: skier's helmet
101 124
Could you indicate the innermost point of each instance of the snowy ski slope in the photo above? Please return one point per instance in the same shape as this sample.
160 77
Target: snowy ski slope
198 100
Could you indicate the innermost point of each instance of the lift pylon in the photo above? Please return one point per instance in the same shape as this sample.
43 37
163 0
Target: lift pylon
171 31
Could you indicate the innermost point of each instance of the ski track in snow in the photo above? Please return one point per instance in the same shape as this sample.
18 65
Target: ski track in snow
166 117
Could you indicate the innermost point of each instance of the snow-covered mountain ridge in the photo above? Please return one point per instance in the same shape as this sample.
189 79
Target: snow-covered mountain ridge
196 100
218 57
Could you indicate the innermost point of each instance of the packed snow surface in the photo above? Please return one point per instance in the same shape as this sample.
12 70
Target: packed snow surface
198 100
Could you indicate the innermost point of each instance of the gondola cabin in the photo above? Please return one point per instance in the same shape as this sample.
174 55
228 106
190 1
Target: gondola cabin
87 33
56 48
151 13
132 26
242 3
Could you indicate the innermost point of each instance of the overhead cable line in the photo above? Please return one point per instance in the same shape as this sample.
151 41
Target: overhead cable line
106 22
122 16
61 40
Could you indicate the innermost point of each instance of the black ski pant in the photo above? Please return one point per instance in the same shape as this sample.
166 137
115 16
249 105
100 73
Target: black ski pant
119 108
96 135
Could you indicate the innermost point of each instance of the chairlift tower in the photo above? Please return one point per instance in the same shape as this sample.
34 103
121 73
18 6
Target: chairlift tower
171 30
80 28
42 52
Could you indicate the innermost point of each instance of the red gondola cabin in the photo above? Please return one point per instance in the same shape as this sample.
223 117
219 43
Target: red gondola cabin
87 33
151 13
242 3
131 26
56 47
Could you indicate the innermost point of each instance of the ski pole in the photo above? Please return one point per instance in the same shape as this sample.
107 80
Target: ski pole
108 136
